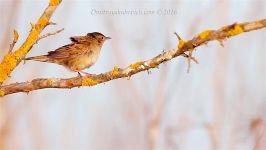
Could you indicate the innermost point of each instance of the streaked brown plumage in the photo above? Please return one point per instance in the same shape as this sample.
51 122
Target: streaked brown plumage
82 53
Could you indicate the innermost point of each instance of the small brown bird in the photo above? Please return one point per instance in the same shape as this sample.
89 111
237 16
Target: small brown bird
82 53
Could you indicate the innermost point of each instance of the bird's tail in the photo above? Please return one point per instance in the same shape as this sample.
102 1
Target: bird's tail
42 58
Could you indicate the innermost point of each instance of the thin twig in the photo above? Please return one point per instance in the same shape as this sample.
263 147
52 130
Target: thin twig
192 58
52 23
49 34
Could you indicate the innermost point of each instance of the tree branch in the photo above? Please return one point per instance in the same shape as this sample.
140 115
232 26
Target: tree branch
11 60
183 46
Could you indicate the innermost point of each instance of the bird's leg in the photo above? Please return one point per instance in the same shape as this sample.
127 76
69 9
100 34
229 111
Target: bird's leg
86 73
79 74
83 72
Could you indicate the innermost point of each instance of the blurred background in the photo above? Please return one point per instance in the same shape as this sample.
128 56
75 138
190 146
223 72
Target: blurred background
219 105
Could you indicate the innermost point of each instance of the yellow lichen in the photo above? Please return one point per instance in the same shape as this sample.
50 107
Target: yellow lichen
23 50
8 63
10 60
42 22
20 53
136 65
205 33
54 2
50 81
2 93
69 83
86 81
181 44
3 76
115 71
32 38
236 30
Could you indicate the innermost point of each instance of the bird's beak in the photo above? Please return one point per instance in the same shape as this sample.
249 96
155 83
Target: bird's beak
107 38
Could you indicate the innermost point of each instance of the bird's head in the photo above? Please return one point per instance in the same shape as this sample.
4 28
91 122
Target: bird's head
98 36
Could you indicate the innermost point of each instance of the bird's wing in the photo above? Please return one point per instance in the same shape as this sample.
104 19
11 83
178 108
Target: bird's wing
78 39
69 51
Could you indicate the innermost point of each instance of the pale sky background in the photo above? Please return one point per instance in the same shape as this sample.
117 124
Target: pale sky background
220 104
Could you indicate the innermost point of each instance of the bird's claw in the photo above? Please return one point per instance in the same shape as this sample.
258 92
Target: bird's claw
86 73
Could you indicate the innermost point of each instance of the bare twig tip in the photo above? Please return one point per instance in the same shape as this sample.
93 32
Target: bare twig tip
51 23
128 77
49 34
178 37
221 42
16 36
195 60
15 39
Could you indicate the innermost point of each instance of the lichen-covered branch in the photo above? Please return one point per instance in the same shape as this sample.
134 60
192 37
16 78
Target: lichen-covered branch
183 46
11 60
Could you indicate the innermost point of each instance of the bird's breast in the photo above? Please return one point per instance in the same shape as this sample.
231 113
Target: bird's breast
84 61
